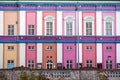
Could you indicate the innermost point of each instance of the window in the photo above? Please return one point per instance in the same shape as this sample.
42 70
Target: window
31 47
109 48
69 64
31 64
89 63
69 26
108 28
30 29
10 47
118 65
88 47
10 64
49 47
109 64
49 28
88 28
69 47
49 64
10 29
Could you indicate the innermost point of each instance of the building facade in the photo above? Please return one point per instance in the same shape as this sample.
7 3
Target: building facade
51 35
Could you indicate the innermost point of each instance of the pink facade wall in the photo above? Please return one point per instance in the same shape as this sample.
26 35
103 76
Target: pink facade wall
89 54
31 19
31 54
88 14
68 14
69 54
109 14
49 14
106 53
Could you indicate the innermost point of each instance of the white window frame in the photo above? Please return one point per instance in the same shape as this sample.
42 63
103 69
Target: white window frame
69 64
49 47
48 63
89 47
73 27
112 21
86 19
10 62
10 47
89 63
108 47
31 28
31 47
10 28
109 64
69 47
31 64
45 20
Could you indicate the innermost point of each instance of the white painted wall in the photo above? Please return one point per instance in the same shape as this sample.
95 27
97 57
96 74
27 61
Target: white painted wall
1 22
1 55
22 53
80 22
39 52
99 53
118 53
59 52
59 22
118 23
98 23
80 53
22 22
39 22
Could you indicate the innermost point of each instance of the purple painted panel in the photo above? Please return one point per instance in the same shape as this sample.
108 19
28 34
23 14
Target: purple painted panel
6 7
88 7
118 38
69 54
109 14
69 38
68 14
7 38
108 7
71 7
106 38
97 38
117 7
48 38
109 54
88 38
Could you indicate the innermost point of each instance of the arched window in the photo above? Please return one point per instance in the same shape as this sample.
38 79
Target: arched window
49 64
109 64
69 26
108 26
88 26
69 64
49 26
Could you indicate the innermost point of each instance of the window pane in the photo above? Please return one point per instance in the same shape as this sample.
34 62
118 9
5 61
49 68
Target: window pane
108 28
69 64
31 63
88 28
10 29
109 64
69 28
30 29
49 47
49 28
